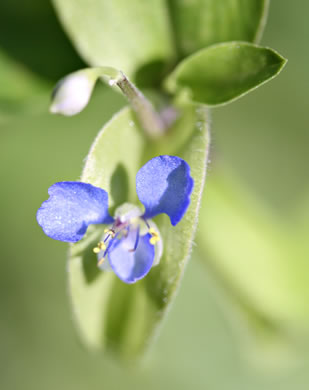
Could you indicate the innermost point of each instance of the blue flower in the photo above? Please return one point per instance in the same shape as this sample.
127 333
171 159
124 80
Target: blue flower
131 243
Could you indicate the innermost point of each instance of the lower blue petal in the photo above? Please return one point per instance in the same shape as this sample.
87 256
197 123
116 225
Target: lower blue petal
71 208
129 265
164 185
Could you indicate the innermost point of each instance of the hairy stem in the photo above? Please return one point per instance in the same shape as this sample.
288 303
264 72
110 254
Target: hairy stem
150 120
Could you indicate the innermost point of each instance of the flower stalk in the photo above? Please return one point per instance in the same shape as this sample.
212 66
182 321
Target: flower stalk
149 119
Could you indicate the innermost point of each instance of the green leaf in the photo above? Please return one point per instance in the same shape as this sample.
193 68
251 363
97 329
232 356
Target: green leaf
109 313
224 72
21 91
133 36
201 23
262 338
257 257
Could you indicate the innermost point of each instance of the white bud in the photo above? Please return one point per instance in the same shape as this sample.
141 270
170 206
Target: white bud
71 95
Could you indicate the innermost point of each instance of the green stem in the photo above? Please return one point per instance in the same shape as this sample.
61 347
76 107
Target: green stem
148 117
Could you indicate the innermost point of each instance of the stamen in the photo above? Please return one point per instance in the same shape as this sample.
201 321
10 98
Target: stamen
154 240
110 243
136 240
147 224
103 246
111 232
154 236
100 247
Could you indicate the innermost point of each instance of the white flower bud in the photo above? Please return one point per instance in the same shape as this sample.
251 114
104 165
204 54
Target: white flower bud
71 95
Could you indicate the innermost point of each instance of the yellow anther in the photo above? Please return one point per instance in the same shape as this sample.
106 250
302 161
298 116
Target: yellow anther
155 236
111 232
153 240
100 247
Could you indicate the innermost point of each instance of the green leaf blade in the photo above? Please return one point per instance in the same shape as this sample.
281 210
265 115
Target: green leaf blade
130 36
253 254
224 72
22 92
110 315
201 23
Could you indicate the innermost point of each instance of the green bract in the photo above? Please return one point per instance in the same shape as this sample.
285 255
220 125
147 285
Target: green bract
110 314
202 51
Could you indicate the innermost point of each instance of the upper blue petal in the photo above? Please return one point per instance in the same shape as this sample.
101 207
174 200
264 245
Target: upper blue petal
130 265
164 185
71 207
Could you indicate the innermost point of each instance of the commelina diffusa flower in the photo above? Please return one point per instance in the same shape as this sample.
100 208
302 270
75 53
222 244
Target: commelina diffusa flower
131 244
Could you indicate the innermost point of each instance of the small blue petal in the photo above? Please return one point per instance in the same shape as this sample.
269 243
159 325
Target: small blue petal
71 207
129 265
164 185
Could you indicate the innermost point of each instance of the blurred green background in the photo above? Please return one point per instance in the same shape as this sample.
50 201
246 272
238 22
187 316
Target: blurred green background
263 140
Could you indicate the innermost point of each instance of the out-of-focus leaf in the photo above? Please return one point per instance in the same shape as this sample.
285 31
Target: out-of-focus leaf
224 72
16 82
201 23
31 35
20 89
133 36
255 254
109 313
264 340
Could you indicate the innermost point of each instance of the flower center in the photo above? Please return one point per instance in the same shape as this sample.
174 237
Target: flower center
128 219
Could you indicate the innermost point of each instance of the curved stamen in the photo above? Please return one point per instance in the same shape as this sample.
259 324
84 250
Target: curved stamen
123 228
146 223
100 247
136 240
111 232
113 236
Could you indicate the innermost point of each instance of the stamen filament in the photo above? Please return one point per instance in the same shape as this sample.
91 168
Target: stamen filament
136 240
146 223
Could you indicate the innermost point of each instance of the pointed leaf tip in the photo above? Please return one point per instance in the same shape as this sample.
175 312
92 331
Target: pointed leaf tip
224 72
